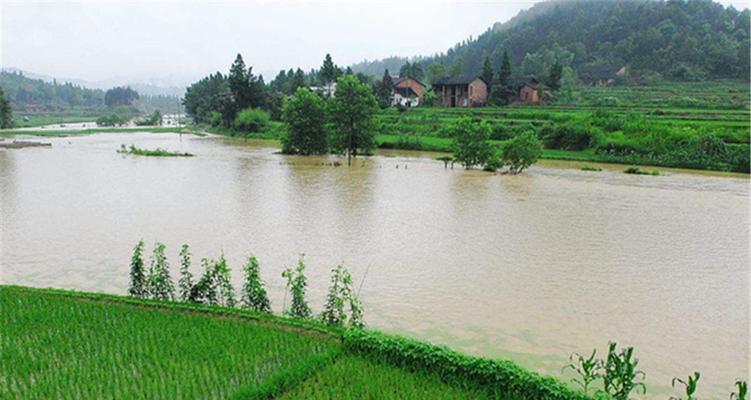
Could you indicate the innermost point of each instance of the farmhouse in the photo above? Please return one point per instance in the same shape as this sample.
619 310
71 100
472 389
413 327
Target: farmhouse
461 91
530 91
407 92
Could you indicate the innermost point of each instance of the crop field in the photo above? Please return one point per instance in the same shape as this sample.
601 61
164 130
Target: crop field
58 344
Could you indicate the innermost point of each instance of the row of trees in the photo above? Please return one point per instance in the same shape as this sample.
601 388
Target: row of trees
214 286
6 114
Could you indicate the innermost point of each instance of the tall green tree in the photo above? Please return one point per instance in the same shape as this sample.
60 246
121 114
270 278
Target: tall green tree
501 91
504 73
329 71
351 114
254 295
6 114
305 118
487 71
160 286
297 81
225 291
471 142
383 89
554 77
137 286
521 152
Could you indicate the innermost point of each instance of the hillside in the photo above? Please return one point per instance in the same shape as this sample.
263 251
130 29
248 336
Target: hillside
676 40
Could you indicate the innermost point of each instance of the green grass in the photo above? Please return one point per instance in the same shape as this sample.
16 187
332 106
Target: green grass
158 152
65 344
63 347
354 377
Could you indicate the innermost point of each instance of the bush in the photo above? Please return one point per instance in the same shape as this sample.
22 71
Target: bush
569 136
504 378
112 120
251 120
521 152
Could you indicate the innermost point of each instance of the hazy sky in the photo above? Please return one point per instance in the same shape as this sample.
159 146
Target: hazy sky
180 42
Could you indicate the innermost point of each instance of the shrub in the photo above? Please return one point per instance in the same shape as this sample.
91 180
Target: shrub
112 120
185 283
159 282
251 120
137 274
340 296
570 136
521 152
254 295
297 284
471 146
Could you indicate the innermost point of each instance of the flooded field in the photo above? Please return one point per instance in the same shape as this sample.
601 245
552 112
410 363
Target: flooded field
529 267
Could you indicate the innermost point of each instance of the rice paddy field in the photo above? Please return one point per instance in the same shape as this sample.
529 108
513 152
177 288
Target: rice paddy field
70 345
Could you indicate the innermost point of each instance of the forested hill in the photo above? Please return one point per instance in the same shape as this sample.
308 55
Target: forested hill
675 39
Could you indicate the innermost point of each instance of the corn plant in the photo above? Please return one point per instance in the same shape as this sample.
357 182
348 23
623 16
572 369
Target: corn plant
160 286
254 294
588 369
225 291
297 283
621 376
742 393
204 291
690 385
185 284
137 286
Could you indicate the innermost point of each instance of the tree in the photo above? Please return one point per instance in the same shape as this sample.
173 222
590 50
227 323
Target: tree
6 114
251 120
305 116
504 73
239 83
160 286
471 146
297 81
254 294
120 96
554 78
501 91
137 286
340 297
383 90
185 283
206 98
329 71
521 152
351 114
297 283
413 70
225 291
487 71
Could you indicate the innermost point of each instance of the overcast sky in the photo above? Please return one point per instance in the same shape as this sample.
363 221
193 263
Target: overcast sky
138 41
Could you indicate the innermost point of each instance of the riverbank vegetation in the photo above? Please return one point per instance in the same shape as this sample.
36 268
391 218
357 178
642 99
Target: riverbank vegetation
158 152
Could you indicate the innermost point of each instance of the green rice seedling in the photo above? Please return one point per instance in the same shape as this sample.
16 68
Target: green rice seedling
689 385
588 369
742 393
254 295
621 376
78 346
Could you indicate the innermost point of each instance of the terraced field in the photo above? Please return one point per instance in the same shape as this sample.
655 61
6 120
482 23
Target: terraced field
61 344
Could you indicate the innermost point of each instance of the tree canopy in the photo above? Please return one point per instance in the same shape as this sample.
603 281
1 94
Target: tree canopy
305 116
351 114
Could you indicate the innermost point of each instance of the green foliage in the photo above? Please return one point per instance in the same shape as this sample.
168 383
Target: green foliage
411 70
639 171
204 99
137 287
554 77
329 72
305 117
341 295
297 284
689 385
251 120
383 90
185 283
742 393
6 114
223 281
521 152
154 119
112 120
621 376
351 115
205 291
26 93
502 379
590 168
68 345
120 96
586 367
471 146
158 152
254 295
159 284
569 136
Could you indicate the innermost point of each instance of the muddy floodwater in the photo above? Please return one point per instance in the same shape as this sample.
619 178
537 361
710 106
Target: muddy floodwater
529 267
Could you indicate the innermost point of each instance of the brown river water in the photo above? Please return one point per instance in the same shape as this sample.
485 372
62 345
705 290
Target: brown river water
529 267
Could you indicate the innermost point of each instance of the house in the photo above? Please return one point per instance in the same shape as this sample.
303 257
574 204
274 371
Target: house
407 92
461 91
530 90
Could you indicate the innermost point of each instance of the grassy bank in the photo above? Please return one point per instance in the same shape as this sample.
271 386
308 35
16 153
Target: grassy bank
62 344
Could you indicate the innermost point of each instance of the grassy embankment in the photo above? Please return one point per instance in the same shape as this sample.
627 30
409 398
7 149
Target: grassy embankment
89 131
62 344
